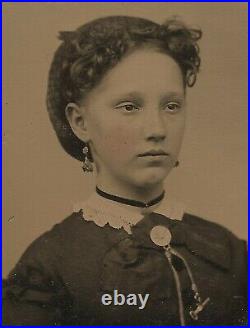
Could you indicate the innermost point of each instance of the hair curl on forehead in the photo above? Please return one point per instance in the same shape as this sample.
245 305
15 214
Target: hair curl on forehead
85 55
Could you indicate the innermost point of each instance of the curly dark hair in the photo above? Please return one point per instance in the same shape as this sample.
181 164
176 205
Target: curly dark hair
86 54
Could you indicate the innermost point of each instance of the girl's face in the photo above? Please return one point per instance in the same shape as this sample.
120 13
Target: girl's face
134 120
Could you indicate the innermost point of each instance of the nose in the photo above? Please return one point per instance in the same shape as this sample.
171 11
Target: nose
154 127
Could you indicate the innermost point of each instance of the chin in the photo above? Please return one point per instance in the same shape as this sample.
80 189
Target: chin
151 177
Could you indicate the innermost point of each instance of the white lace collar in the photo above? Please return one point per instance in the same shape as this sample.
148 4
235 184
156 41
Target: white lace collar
103 211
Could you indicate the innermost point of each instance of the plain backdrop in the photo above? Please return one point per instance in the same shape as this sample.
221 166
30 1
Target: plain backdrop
41 182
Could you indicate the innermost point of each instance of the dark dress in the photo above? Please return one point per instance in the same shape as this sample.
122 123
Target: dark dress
62 276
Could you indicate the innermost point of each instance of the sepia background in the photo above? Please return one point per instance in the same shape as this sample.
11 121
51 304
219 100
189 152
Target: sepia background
41 182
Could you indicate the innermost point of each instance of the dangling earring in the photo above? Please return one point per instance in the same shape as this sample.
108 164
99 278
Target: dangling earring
86 165
176 163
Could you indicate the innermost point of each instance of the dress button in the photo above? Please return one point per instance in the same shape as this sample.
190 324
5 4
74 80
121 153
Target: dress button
160 235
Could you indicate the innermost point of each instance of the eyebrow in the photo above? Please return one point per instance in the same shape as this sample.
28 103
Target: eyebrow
172 96
132 96
138 97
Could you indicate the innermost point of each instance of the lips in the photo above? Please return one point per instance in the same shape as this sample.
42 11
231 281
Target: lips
154 152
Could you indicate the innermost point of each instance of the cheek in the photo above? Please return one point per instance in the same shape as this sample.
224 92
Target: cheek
177 134
117 141
122 140
175 127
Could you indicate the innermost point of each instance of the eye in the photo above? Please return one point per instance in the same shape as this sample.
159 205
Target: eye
173 107
127 107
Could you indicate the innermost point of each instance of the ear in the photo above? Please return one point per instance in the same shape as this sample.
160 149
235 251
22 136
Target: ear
76 117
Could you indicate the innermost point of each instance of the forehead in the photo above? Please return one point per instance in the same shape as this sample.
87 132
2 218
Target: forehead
146 71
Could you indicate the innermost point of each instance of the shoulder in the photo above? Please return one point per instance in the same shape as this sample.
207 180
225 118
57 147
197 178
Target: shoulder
51 243
200 223
68 232
57 232
219 239
54 246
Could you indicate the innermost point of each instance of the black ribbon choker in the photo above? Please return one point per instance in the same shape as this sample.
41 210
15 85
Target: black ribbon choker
130 202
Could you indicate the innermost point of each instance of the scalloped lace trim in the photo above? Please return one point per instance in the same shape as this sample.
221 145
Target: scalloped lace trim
102 211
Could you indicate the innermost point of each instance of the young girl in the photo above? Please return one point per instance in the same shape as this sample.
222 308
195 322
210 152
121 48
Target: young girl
127 255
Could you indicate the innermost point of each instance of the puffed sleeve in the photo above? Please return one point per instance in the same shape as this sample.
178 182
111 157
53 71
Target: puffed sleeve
33 293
